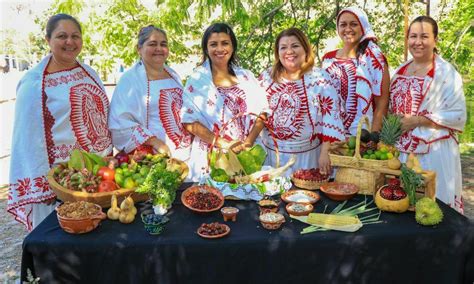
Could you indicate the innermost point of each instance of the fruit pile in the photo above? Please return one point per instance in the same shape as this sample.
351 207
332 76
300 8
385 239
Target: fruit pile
310 174
375 145
90 173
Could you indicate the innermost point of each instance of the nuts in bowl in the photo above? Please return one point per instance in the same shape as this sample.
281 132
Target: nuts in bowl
271 220
79 217
213 230
299 209
202 198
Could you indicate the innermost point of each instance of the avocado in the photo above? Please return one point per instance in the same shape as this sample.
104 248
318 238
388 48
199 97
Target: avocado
365 136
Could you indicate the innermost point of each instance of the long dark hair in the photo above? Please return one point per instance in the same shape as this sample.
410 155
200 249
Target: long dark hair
429 20
54 21
220 28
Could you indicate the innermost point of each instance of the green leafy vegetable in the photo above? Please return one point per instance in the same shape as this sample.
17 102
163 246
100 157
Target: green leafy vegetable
161 185
219 175
252 159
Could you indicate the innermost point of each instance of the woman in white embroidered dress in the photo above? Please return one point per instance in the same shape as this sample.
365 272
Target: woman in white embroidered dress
217 91
359 70
147 100
305 106
61 105
427 91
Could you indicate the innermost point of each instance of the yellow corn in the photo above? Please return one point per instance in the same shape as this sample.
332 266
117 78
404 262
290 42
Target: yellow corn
325 220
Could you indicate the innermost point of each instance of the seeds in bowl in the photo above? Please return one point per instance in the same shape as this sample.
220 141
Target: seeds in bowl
203 200
78 209
271 217
212 229
300 197
297 207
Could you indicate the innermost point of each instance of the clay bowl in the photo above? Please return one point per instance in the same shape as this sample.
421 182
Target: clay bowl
225 233
229 213
299 209
271 220
154 224
268 205
339 191
81 225
202 189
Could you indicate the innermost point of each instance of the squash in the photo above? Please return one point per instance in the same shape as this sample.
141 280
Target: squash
396 206
114 212
127 211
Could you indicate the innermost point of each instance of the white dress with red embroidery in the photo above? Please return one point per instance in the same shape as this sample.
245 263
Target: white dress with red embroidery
357 80
439 97
55 113
214 106
141 109
305 113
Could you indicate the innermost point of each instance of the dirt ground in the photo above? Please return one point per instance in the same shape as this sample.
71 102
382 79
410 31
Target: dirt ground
12 233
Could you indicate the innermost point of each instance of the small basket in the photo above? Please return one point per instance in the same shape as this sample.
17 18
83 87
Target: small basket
357 161
308 184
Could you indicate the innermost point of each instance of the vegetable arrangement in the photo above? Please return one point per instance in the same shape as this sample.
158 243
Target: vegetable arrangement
337 219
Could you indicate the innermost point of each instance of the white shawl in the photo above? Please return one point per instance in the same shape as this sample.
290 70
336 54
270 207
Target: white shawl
444 104
29 162
128 120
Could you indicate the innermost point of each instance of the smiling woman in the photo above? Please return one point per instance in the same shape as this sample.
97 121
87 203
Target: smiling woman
61 105
215 93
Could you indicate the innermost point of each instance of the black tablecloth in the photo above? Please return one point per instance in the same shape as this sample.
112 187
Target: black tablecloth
396 251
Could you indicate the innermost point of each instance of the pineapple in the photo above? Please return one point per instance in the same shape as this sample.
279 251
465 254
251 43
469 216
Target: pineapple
390 132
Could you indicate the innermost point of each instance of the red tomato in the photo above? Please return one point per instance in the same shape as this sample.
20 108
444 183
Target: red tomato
106 173
106 186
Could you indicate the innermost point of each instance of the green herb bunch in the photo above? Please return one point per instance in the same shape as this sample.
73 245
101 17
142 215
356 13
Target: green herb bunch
161 185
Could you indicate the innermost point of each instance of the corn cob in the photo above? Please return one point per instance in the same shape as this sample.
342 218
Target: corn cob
335 222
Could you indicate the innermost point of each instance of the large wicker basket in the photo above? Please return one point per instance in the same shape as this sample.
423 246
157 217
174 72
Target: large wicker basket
101 198
357 161
308 184
368 181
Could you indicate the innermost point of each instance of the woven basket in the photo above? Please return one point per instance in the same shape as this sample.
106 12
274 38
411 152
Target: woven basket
101 198
357 161
307 184
368 181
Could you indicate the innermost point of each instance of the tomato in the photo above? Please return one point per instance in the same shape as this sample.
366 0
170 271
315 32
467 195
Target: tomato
106 173
106 186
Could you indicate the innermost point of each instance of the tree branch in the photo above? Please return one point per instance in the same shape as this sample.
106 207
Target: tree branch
323 28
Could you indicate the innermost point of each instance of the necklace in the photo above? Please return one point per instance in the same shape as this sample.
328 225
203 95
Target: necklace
417 71
62 66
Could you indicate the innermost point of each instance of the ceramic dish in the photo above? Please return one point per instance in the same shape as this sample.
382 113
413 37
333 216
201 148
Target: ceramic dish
300 196
154 224
268 205
204 192
229 213
204 235
83 224
299 209
271 220
339 191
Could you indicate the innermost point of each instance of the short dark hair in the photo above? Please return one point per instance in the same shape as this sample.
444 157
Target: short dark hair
220 28
429 20
54 21
145 33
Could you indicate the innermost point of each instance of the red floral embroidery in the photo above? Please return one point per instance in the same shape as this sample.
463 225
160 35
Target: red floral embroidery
326 105
42 182
23 186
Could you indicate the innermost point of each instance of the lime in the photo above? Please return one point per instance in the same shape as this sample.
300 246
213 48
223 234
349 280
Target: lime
384 149
118 179
139 181
119 171
389 156
136 176
370 151
373 156
350 152
352 142
377 154
144 171
128 183
127 172
366 156
383 156
124 165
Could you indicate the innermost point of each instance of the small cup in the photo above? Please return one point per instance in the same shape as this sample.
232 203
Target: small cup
229 213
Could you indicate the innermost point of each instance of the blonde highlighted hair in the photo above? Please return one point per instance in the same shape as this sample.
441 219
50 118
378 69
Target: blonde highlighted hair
278 68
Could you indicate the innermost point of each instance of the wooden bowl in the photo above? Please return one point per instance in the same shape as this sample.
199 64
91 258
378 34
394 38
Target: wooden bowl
80 225
339 191
291 208
300 196
203 189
